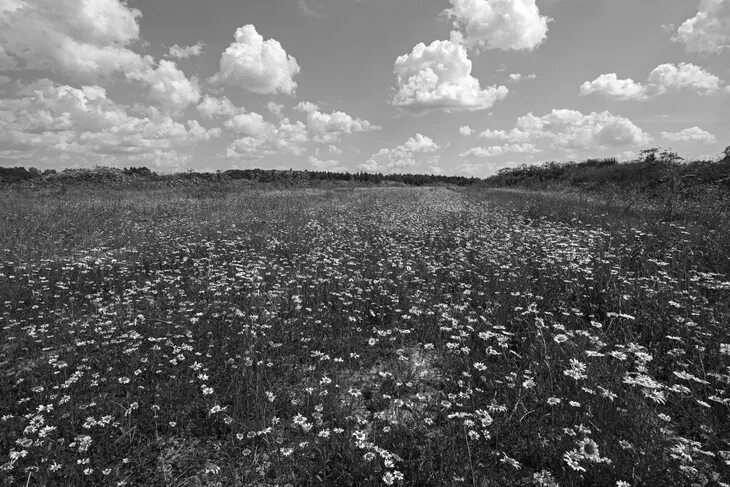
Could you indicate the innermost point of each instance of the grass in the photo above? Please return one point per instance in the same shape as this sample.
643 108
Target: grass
400 336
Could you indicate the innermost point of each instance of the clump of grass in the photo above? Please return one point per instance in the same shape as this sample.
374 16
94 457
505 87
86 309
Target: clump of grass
362 337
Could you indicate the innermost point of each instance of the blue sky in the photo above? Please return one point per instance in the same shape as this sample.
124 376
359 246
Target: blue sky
438 86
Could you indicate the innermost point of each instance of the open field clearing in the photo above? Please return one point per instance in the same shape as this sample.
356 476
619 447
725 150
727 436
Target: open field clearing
391 336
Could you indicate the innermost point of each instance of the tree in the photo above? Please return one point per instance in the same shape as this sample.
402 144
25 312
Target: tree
726 152
649 155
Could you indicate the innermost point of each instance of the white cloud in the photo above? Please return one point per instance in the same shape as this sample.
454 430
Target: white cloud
184 52
662 79
499 24
514 135
465 130
439 76
328 127
404 156
258 65
306 107
326 165
77 38
692 134
53 120
250 124
261 138
709 30
275 109
87 41
421 143
169 86
498 150
212 107
610 85
571 129
515 77
684 75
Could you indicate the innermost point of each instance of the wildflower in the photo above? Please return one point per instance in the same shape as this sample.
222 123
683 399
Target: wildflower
560 338
552 401
589 449
572 458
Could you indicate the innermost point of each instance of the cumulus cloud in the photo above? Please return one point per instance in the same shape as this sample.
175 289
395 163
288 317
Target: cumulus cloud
571 129
439 76
326 165
258 65
45 118
610 85
74 37
169 86
465 130
515 77
692 134
709 30
499 24
250 125
662 79
212 107
684 75
498 150
184 52
328 127
259 138
87 41
404 156
275 109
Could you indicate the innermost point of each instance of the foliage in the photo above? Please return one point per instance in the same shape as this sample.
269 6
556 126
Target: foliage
367 336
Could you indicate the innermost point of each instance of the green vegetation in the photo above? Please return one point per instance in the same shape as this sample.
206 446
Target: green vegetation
208 335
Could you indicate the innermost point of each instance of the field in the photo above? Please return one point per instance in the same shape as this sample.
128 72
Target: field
380 336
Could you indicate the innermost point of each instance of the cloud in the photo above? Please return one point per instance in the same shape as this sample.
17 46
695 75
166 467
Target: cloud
662 79
709 30
250 125
326 165
421 143
84 40
328 127
45 119
571 129
309 11
169 86
610 85
438 76
275 108
465 130
692 134
88 42
515 77
404 156
261 138
258 65
499 24
184 52
685 75
498 150
212 107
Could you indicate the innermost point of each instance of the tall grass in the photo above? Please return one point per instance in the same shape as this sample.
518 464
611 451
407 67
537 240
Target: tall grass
358 337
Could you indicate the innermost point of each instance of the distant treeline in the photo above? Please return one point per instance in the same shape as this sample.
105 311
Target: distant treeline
276 176
654 171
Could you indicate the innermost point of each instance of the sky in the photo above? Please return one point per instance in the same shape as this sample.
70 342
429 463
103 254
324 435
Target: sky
463 87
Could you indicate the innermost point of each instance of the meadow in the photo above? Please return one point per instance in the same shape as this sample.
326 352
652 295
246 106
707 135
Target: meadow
358 336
